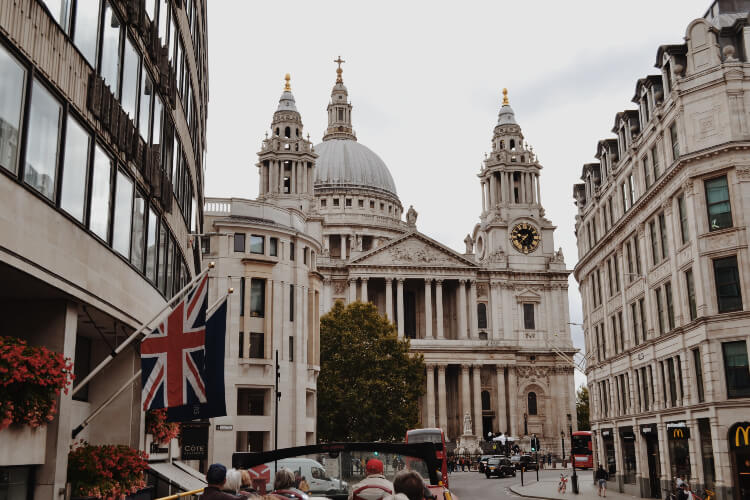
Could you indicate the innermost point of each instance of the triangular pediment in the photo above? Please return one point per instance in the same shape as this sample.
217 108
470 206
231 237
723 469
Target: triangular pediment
413 249
528 295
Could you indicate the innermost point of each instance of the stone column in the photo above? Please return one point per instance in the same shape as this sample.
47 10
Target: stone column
502 422
400 306
493 191
478 430
493 308
524 194
293 178
428 309
442 402
465 395
327 295
462 309
352 289
342 239
473 309
680 402
484 202
364 290
439 308
512 399
389 298
430 395
538 190
281 176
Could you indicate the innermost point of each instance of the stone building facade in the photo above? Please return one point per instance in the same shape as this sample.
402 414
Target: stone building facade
484 319
266 250
102 119
664 270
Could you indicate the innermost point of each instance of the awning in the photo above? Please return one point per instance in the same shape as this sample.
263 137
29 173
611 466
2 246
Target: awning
179 474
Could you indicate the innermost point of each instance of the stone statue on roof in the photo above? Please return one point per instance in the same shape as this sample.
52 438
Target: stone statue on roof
411 216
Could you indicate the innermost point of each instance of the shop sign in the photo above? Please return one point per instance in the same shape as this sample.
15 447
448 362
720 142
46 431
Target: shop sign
648 430
194 441
677 430
606 433
739 435
224 427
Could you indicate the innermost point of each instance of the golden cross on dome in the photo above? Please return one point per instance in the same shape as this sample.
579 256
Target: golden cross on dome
505 97
339 70
287 77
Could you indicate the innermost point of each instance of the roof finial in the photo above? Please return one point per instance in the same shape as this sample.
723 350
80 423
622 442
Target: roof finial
287 77
339 70
505 97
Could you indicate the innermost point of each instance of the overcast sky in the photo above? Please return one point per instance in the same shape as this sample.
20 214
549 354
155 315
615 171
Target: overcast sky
425 81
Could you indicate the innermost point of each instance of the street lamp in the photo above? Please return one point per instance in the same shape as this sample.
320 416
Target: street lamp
574 479
562 441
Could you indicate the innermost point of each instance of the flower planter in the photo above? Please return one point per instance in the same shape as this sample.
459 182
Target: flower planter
23 445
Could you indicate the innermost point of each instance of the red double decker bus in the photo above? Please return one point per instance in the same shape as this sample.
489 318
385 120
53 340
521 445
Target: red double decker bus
582 453
432 435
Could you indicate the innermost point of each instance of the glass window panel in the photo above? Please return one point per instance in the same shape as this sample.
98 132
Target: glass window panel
178 71
87 29
169 267
719 209
153 223
43 142
736 369
131 66
193 215
60 10
123 214
139 230
100 193
151 9
12 83
77 147
663 234
691 294
274 247
257 244
257 298
144 114
158 106
162 256
684 228
172 36
528 317
163 17
110 65
239 242
728 293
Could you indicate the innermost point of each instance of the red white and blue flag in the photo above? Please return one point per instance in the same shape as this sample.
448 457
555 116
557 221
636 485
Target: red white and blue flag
173 357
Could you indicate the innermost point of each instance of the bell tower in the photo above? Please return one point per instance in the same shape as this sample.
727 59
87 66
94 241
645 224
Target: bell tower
339 110
512 226
286 161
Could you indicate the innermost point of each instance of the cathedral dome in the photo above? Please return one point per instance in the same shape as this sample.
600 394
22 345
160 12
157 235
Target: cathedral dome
347 163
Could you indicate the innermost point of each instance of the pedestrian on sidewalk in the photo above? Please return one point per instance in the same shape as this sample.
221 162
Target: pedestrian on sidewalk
601 480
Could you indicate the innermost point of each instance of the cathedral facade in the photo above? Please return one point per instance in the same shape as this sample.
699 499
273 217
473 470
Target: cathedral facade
488 320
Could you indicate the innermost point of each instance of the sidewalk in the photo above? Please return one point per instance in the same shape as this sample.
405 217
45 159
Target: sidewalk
547 488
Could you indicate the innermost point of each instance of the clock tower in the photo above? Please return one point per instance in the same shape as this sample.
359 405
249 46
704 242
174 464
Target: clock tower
513 232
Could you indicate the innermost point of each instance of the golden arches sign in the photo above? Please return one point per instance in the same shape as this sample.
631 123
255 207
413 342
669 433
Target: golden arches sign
678 434
739 435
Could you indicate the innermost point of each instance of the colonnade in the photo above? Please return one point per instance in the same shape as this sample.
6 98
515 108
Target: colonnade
498 187
470 389
273 173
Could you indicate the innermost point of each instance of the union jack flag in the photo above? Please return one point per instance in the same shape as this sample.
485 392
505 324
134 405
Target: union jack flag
173 355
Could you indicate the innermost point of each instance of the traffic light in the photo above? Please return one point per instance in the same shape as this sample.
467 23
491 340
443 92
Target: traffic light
377 453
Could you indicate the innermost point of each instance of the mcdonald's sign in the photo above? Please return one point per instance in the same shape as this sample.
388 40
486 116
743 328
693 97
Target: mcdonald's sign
677 430
739 435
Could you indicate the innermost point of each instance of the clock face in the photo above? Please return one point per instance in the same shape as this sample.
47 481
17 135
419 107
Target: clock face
524 237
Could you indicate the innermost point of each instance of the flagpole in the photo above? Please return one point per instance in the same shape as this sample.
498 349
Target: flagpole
101 407
140 329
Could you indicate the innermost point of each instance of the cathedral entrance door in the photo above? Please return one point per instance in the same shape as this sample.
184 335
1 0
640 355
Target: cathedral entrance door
487 425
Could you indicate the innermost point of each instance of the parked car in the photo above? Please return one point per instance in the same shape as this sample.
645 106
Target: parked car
499 467
483 462
528 462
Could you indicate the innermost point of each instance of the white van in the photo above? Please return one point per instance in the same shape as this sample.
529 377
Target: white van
313 472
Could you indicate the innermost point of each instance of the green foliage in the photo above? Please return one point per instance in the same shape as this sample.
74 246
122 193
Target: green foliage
369 384
582 408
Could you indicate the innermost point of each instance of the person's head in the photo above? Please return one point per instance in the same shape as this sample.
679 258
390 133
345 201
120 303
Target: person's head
410 483
216 475
233 481
284 479
374 466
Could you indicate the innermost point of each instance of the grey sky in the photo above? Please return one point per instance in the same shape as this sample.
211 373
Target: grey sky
425 80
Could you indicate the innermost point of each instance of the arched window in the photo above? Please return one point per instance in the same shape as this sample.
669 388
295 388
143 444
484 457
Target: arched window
485 400
287 132
502 144
512 144
532 403
481 315
277 130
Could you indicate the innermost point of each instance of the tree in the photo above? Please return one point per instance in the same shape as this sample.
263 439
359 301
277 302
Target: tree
369 384
582 408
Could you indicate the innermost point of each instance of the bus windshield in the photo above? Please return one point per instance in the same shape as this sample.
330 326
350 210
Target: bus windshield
581 445
425 436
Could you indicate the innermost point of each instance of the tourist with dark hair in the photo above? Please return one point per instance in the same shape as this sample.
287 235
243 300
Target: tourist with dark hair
216 477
